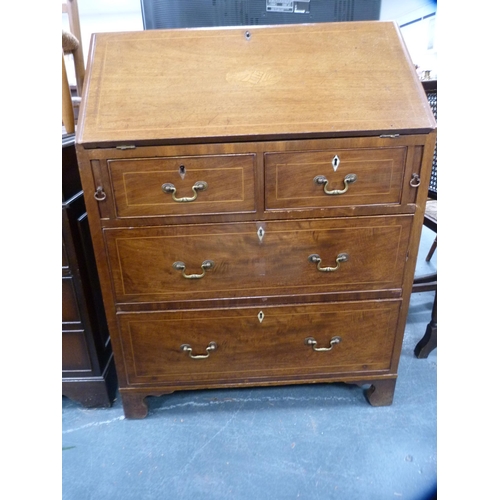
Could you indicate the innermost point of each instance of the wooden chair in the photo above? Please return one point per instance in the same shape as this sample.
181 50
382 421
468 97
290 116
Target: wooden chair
71 44
429 282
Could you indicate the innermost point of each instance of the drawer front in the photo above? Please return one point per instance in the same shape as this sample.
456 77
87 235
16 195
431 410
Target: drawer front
252 259
213 184
70 309
75 352
253 343
355 177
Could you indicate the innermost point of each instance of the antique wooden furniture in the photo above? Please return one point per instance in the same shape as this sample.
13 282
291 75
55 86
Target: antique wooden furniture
255 197
88 371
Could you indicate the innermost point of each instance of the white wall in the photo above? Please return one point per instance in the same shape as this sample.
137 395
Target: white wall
419 36
404 11
99 16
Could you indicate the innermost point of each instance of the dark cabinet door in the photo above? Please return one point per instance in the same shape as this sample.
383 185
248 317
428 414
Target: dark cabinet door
88 372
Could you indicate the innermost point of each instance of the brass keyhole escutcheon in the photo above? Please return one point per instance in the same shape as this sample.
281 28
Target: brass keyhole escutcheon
335 163
182 172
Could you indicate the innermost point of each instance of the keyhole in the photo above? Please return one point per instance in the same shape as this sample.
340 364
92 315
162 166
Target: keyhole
182 171
260 316
336 163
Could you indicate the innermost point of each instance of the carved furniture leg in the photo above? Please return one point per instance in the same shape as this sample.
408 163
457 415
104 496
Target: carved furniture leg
134 405
429 341
381 392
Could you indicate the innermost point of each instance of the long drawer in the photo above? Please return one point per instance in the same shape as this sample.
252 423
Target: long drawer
189 262
193 347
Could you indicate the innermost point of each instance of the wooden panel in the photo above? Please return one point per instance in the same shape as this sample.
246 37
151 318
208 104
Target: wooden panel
65 260
244 265
253 342
325 79
75 352
137 185
290 177
70 310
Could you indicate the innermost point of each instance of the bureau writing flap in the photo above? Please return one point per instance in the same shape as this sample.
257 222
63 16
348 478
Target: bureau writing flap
258 82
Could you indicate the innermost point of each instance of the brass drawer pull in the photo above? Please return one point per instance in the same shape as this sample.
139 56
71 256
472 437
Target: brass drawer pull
198 186
100 195
312 342
415 180
348 179
187 348
316 259
206 266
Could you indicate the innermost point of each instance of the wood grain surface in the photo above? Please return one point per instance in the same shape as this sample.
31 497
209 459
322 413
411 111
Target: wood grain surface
203 84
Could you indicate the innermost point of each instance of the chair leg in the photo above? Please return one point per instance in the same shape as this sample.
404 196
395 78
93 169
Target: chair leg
68 116
429 341
432 250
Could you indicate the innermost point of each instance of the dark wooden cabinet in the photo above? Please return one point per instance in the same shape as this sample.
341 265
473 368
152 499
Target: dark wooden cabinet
88 371
255 198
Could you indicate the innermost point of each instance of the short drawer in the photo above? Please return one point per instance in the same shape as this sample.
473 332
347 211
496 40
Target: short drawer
334 178
183 185
184 347
212 261
75 352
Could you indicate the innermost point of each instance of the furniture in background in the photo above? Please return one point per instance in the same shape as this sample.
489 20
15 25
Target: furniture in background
71 44
259 223
88 372
428 282
430 216
202 13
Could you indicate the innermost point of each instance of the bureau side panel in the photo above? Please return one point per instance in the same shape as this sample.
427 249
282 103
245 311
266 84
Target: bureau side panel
425 155
90 184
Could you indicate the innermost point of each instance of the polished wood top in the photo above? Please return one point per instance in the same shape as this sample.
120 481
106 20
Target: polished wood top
248 83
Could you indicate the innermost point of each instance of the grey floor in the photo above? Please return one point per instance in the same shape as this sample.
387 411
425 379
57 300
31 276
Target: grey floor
310 442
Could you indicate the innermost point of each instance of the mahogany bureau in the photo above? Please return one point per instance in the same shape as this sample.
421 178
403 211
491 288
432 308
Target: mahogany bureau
255 197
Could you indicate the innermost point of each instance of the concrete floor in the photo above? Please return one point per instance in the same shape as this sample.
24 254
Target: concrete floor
312 442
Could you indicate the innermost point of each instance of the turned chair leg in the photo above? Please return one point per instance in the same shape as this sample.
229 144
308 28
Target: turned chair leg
429 341
432 249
